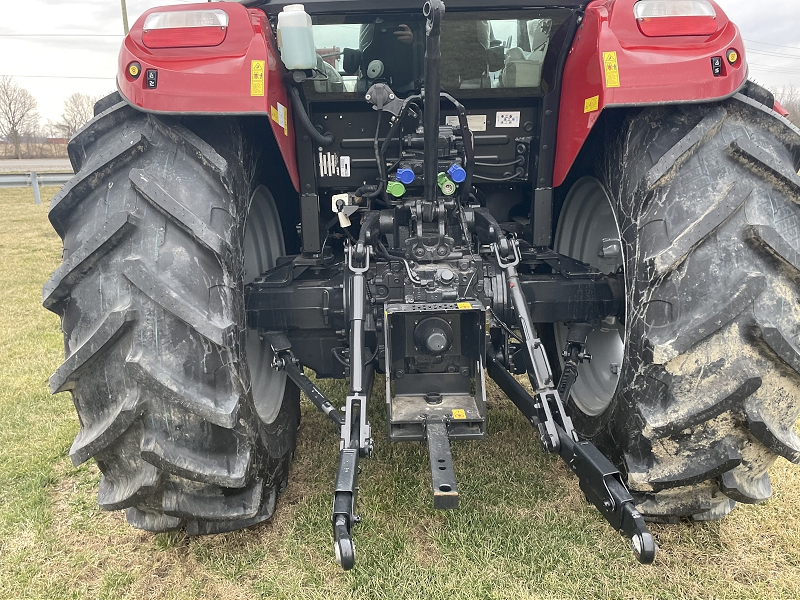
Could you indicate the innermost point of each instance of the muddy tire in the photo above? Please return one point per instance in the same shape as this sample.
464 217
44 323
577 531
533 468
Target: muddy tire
706 202
150 294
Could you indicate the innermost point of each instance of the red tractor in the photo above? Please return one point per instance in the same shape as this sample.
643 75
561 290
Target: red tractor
590 193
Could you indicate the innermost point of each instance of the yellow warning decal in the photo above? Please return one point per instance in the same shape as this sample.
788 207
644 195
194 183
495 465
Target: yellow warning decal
464 305
257 77
458 413
591 104
279 115
612 69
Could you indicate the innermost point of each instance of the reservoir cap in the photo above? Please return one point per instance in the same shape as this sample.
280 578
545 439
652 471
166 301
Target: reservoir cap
457 173
396 188
405 175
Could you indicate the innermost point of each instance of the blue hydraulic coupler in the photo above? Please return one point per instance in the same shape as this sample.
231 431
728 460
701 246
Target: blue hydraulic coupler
405 175
457 173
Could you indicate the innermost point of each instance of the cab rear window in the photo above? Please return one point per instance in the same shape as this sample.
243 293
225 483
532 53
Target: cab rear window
480 55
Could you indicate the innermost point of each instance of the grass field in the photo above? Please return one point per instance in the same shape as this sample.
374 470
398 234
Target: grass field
523 529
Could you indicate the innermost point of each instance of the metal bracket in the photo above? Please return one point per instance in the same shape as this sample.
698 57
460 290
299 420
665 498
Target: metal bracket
357 402
350 250
343 515
443 480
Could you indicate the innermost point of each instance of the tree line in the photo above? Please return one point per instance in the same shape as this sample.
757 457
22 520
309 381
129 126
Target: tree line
22 130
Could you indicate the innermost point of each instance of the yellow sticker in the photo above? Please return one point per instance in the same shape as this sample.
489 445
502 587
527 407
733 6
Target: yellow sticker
283 118
612 69
279 115
257 78
464 305
458 413
591 104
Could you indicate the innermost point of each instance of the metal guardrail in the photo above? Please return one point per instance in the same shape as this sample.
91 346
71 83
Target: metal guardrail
34 180
26 179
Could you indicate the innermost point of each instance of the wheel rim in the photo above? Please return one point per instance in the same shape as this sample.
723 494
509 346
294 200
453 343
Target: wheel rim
587 218
263 244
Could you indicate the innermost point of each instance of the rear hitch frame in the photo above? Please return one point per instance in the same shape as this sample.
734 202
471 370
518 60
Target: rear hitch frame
599 480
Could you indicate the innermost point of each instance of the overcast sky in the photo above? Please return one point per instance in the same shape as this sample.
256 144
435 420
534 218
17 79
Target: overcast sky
55 65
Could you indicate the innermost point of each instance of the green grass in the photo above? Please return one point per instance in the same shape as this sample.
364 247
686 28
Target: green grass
523 529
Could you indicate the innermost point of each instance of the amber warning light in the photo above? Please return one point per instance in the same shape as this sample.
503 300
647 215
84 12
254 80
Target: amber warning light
185 28
665 18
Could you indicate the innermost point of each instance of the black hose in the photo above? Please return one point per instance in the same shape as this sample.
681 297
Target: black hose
469 146
517 173
383 177
518 161
367 191
300 111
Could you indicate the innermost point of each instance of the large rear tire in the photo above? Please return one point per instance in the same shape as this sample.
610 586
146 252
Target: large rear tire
705 199
189 425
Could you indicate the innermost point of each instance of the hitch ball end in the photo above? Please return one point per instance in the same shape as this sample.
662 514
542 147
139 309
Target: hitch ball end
345 550
644 547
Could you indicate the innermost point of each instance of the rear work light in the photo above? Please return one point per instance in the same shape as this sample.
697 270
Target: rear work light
185 28
665 18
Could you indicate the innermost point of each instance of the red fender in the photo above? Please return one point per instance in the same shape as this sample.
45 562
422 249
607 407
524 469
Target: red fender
243 75
641 71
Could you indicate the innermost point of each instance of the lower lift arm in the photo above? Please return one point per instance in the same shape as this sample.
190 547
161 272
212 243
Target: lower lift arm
599 480
356 439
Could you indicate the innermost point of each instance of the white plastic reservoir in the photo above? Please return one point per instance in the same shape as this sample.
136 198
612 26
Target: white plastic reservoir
296 38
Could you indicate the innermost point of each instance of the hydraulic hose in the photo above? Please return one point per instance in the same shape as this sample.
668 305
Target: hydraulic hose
300 111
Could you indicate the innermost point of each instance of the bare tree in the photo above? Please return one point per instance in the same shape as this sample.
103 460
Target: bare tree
78 110
17 112
34 138
789 98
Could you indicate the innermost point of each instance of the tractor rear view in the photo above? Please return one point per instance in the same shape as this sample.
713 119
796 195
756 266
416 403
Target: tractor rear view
587 193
